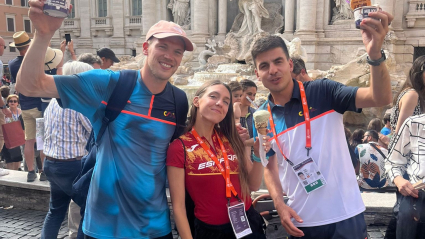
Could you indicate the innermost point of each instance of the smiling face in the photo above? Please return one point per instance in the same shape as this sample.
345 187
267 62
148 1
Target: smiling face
163 56
274 69
213 105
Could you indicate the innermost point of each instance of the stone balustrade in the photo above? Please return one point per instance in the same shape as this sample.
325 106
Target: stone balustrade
133 23
101 24
71 25
416 12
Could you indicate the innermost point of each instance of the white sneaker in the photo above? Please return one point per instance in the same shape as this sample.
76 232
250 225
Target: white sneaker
3 172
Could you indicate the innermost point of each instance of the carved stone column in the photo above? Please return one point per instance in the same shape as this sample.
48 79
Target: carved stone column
307 17
222 17
289 16
148 15
200 15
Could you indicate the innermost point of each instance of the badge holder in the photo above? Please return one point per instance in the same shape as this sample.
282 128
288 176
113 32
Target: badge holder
309 175
238 218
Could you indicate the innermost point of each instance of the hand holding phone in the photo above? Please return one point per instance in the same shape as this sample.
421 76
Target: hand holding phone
67 38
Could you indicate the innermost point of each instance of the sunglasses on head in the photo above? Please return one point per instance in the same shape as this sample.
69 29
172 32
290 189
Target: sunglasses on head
13 101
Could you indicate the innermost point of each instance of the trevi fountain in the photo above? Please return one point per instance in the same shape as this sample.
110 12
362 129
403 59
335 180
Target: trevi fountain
321 32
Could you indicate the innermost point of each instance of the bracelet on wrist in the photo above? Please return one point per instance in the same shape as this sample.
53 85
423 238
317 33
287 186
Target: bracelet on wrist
255 158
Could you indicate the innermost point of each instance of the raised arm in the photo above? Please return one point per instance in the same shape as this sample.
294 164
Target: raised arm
374 30
31 79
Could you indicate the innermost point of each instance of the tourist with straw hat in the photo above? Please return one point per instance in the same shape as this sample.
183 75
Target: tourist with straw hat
30 106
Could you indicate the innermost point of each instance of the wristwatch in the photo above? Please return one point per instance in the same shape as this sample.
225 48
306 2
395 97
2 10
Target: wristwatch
377 62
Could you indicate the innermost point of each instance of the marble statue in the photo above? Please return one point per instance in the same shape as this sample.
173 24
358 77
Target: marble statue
253 11
181 12
342 11
296 50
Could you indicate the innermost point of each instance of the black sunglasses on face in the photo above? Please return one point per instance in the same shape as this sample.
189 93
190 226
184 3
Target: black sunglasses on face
13 101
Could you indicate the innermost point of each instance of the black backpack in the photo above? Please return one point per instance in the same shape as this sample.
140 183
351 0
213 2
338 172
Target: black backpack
116 104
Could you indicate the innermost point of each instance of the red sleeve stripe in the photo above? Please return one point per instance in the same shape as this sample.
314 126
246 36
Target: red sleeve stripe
150 107
144 116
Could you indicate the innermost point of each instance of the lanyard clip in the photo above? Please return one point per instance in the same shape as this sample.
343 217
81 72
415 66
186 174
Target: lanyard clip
308 150
237 197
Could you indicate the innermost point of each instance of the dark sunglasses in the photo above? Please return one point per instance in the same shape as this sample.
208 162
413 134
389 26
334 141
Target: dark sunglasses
13 101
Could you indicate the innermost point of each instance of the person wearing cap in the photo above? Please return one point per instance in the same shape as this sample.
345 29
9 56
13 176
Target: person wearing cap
127 196
108 58
30 106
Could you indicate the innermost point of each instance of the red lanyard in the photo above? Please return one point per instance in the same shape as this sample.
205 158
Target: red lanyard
307 123
225 172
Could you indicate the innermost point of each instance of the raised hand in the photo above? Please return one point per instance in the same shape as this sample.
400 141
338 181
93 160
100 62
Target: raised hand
374 29
43 24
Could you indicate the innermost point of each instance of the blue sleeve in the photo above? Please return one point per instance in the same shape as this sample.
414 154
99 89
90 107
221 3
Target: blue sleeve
85 92
385 131
342 97
356 152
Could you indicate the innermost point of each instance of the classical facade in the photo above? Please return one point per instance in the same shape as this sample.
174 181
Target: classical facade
325 27
13 18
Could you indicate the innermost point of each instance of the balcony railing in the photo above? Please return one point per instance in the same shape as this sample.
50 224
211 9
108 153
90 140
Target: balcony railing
132 22
101 24
71 25
416 11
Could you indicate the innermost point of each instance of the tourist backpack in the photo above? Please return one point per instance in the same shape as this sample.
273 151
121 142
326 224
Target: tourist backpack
116 103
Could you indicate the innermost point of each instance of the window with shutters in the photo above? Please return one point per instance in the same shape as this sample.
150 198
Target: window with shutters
24 3
136 7
102 7
10 24
27 25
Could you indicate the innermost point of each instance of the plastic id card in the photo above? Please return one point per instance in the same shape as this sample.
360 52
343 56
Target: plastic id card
309 176
239 220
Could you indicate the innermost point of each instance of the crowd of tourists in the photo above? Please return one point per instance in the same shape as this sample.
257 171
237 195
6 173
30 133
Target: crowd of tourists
128 131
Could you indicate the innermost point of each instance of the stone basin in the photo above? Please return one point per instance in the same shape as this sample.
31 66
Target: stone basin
201 77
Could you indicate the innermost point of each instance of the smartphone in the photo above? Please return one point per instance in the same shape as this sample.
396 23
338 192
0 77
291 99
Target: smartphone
67 38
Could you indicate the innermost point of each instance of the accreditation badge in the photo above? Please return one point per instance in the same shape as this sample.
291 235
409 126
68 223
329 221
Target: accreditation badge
308 175
239 220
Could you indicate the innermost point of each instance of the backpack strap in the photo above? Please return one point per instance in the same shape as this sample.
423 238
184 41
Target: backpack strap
377 149
119 97
181 108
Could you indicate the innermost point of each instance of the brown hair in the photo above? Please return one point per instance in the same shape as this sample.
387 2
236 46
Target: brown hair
234 86
375 124
228 129
415 81
356 138
268 43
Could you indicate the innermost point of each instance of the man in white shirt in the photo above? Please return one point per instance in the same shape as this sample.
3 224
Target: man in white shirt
372 162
